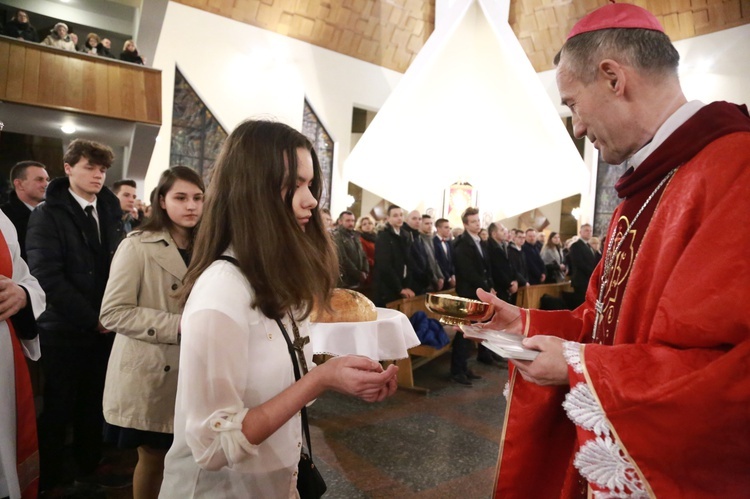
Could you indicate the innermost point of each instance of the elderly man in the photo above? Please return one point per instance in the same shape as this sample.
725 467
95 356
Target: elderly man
643 391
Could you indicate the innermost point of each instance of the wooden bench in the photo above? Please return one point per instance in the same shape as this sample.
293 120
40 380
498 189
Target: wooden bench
530 296
420 354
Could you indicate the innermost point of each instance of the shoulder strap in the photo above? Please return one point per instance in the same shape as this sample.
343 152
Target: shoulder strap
293 355
229 259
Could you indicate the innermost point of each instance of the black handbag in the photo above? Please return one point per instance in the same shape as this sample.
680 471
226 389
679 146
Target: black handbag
310 483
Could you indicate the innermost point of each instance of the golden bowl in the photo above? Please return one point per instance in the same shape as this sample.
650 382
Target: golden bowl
455 309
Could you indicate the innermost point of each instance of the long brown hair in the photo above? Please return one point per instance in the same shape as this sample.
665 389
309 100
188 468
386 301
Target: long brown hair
286 266
159 219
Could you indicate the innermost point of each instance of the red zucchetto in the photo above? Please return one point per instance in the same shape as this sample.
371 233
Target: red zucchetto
616 15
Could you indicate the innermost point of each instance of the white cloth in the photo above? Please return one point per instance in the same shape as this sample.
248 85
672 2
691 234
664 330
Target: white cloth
387 338
8 475
232 358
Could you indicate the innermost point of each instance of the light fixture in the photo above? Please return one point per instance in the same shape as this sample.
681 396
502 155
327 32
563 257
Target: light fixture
576 212
349 200
68 128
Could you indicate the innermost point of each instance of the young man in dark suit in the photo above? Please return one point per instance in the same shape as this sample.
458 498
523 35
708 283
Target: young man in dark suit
444 252
71 239
472 272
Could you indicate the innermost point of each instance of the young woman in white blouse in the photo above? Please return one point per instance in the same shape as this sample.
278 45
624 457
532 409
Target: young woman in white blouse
237 417
140 306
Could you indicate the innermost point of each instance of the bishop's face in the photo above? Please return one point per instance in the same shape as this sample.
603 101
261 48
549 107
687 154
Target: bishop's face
599 114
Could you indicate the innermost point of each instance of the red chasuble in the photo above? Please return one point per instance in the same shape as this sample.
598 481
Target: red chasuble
27 454
669 367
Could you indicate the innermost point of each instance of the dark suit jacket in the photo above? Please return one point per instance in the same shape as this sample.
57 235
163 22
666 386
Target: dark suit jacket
472 267
19 214
534 263
583 261
391 271
502 271
445 261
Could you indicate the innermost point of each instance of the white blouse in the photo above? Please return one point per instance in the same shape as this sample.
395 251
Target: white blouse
232 358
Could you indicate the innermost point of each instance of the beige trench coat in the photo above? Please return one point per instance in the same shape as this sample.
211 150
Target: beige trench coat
139 306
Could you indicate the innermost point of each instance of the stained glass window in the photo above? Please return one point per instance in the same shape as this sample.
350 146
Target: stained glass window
197 136
314 130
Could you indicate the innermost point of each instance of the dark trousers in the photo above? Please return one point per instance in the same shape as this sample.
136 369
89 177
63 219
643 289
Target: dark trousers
460 352
73 390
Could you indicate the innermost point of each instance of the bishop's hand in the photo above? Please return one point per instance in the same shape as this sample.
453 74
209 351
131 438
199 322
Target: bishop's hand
502 315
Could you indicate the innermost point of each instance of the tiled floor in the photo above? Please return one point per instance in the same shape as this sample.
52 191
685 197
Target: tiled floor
442 445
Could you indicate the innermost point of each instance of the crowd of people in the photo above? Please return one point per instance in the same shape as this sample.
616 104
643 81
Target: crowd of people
411 255
61 37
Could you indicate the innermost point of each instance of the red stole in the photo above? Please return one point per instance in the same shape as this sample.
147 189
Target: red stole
27 453
539 442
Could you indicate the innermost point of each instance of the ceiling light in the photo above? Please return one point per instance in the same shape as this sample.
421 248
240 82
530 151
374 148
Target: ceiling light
68 129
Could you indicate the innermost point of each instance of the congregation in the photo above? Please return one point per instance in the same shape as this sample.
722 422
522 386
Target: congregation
404 256
64 38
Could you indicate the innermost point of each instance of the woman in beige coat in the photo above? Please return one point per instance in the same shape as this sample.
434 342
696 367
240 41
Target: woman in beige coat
139 305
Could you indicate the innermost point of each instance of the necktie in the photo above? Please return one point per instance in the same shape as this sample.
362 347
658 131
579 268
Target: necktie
92 221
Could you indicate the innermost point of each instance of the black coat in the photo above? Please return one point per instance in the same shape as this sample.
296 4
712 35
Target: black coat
391 270
19 214
418 262
502 271
14 29
583 261
472 267
518 261
131 57
71 265
534 263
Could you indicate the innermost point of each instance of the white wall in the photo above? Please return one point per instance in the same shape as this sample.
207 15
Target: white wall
241 71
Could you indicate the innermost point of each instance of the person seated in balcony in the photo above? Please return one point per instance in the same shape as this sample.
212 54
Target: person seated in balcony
105 48
74 39
130 53
92 45
59 38
20 27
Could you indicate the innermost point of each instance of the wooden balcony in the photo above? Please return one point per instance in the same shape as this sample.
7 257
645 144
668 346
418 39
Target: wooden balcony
37 75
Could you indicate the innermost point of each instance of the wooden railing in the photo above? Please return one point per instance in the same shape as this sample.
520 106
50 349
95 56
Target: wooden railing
38 75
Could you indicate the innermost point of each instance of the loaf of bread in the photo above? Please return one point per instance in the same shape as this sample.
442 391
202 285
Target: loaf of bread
346 306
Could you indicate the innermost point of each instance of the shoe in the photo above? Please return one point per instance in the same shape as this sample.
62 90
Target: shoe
470 374
461 379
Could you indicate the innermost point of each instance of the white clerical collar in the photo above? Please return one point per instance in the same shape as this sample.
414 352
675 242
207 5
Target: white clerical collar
678 118
82 201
